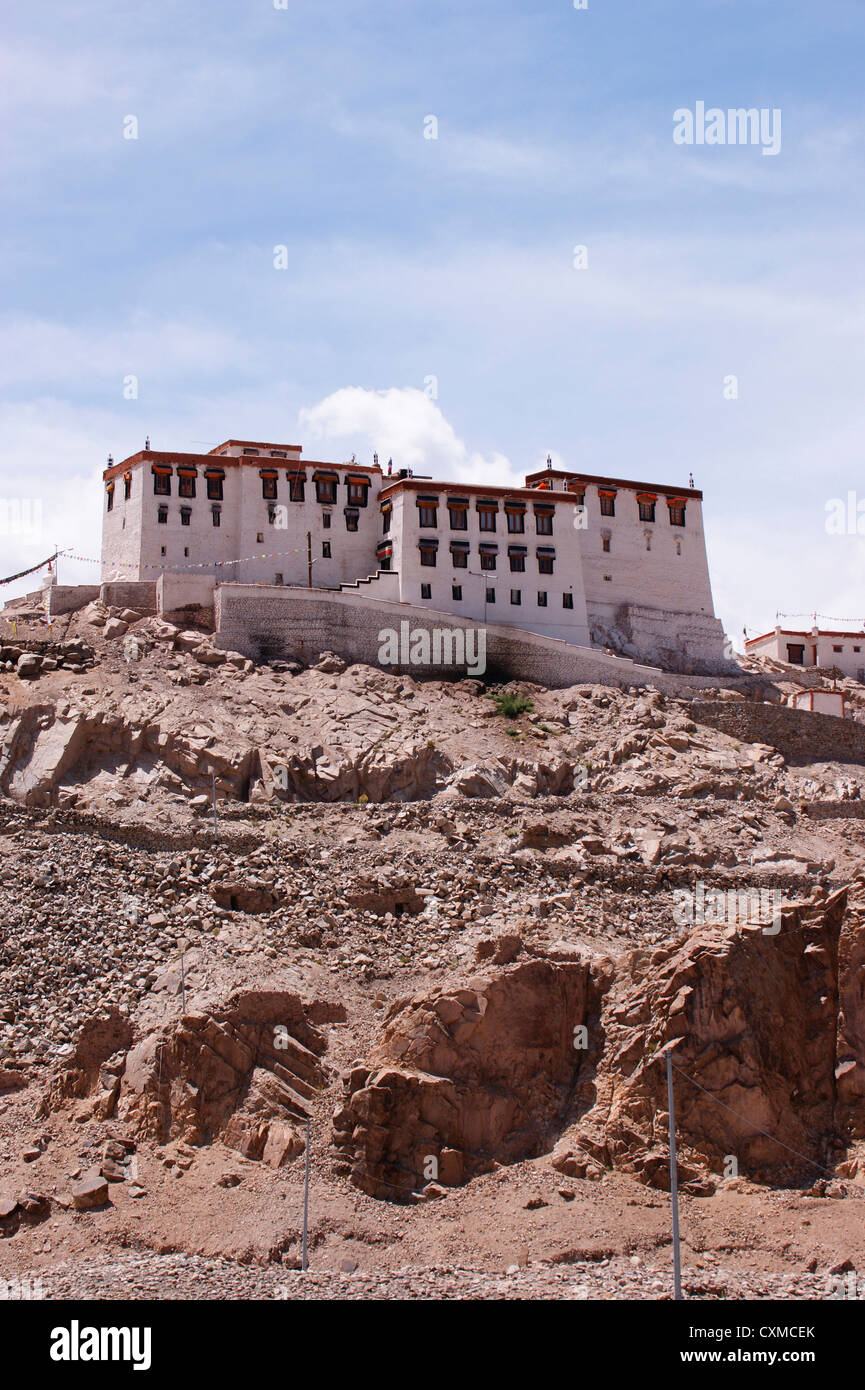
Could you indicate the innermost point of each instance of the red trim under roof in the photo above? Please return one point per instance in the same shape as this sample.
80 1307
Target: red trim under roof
534 479
253 444
473 490
806 633
226 461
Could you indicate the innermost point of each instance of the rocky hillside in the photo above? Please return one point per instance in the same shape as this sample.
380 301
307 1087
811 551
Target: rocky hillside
445 930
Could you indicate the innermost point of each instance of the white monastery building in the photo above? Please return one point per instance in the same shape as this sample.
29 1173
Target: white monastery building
594 562
813 647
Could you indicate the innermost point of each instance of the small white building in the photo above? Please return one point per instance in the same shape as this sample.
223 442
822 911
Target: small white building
813 647
584 559
820 702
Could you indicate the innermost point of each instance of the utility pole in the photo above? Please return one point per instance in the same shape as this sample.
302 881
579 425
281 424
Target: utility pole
183 943
304 1261
667 1050
213 797
309 558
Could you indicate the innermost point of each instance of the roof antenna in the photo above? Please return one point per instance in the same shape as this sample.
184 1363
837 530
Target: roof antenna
549 461
110 461
147 442
690 480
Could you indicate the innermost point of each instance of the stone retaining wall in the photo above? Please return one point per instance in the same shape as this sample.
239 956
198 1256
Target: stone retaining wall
802 736
265 622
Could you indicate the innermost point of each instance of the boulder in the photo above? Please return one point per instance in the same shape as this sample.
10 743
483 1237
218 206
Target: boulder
90 1192
29 666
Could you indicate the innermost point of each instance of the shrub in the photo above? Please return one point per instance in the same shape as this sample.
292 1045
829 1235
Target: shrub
512 705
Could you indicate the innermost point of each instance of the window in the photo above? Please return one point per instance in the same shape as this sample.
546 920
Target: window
214 489
325 489
647 509
567 600
250 451
488 561
460 558
608 503
277 578
544 523
605 541
516 597
426 589
545 564
491 595
487 515
185 515
351 520
677 513
109 493
162 550
542 598
268 489
795 654
427 555
518 564
837 649
127 487
357 488
648 536
216 515
325 520
325 550
427 514
295 486
186 485
857 649
278 454
186 551
162 516
456 592
516 521
259 537
459 517
271 516
162 484
386 514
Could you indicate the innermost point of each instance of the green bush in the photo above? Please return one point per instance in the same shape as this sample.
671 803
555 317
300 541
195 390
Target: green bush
511 705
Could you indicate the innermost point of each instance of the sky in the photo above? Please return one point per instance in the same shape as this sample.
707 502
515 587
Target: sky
429 170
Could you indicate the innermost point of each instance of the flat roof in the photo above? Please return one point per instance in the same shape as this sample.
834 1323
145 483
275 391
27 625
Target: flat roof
807 633
253 444
668 489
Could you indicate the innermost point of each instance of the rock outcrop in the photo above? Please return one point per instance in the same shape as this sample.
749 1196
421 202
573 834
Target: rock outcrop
754 1013
464 1078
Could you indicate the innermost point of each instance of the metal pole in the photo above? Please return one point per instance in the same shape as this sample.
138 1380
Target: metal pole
309 558
183 981
215 821
304 1262
674 1185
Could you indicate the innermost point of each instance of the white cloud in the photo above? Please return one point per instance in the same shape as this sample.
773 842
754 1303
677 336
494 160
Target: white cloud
404 424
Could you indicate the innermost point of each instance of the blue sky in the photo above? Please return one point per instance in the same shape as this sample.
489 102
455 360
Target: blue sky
411 258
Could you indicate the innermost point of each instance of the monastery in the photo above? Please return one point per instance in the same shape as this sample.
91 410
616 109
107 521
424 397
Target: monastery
606 563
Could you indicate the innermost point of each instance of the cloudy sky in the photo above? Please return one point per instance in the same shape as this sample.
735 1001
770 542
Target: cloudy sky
430 306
